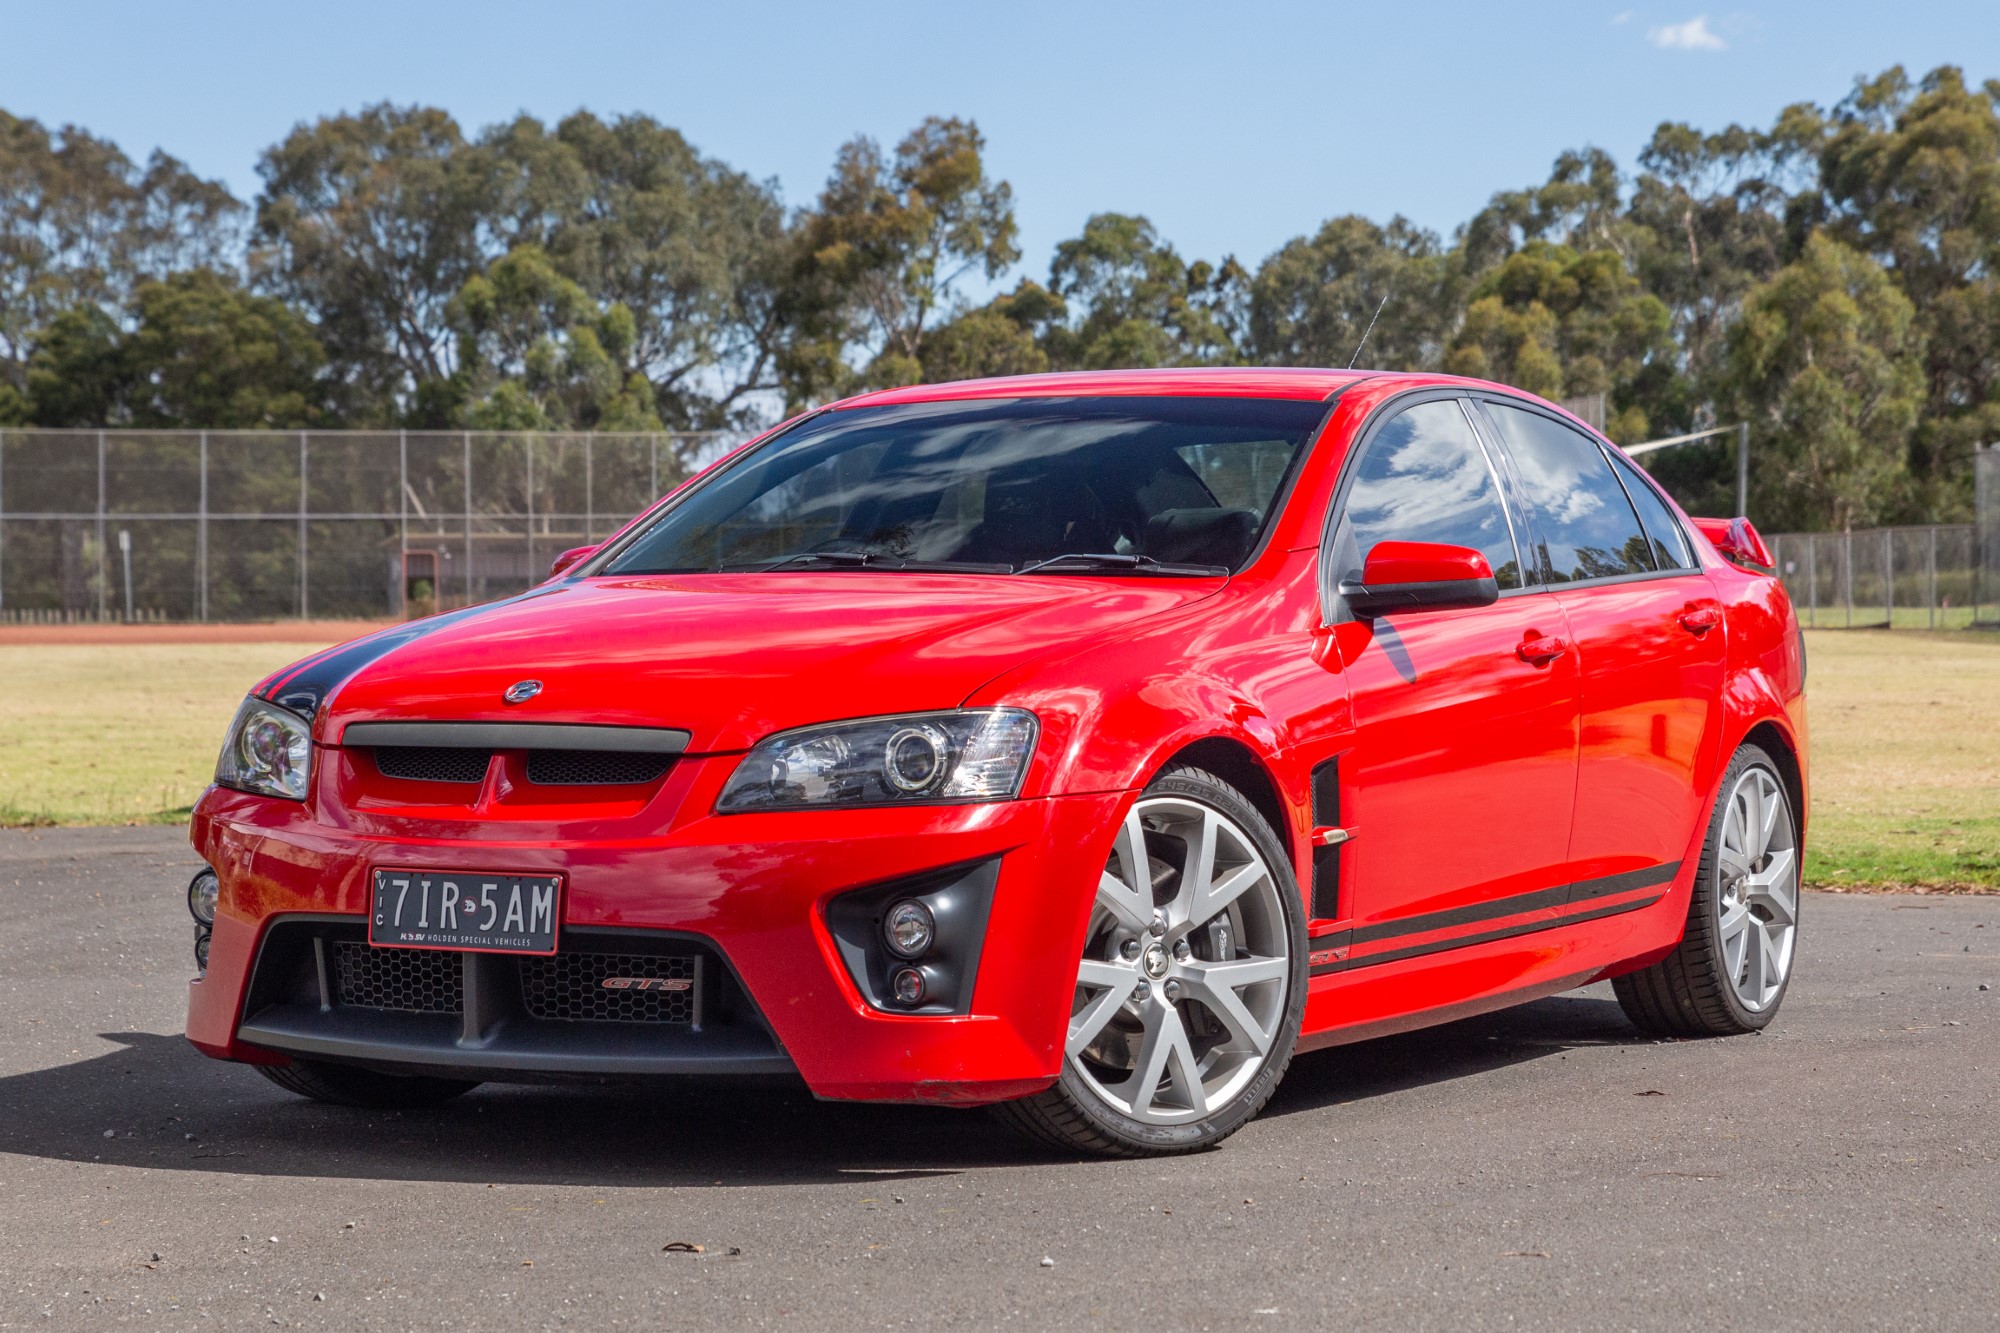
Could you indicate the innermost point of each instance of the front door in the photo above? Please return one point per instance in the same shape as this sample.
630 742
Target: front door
1463 772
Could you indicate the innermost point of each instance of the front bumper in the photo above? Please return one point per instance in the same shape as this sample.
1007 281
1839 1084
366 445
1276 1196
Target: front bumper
752 889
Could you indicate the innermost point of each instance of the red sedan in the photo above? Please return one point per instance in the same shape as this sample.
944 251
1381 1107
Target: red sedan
1081 745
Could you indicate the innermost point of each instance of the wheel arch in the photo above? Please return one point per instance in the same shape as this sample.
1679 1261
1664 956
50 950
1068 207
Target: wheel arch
1239 765
1775 741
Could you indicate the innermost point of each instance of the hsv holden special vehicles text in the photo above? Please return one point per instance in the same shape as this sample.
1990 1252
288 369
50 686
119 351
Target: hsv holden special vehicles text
1080 745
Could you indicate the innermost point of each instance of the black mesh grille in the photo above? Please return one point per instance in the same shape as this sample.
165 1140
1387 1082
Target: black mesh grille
431 764
571 987
581 768
416 981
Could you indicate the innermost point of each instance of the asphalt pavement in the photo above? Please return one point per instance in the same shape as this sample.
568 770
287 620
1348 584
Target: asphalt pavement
1542 1167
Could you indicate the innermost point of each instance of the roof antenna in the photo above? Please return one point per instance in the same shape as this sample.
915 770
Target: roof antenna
1365 332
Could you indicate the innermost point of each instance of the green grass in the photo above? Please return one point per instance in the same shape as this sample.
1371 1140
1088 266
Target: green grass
1905 744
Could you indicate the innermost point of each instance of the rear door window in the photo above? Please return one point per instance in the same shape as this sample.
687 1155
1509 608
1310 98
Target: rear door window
1423 477
1584 526
1670 548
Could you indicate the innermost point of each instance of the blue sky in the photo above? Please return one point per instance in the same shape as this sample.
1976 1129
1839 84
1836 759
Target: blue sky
1233 126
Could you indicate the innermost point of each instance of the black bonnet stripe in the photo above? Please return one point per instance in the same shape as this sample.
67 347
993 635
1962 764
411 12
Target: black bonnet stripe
306 689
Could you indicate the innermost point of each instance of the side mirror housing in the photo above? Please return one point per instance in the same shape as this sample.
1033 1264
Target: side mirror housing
1738 541
1411 576
575 555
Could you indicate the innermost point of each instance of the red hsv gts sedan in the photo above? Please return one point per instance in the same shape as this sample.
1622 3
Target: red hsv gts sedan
1080 745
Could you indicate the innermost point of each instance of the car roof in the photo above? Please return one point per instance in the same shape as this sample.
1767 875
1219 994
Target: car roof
1178 381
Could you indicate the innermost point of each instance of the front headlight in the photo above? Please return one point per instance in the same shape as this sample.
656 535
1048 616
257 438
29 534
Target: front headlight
268 751
978 754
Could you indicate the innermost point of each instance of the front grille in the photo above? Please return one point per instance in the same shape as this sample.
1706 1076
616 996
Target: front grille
431 764
414 981
571 987
585 768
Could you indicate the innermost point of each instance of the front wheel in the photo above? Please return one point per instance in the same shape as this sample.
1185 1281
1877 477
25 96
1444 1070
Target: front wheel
1732 967
1192 983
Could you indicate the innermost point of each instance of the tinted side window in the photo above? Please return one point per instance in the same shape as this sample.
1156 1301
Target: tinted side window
1670 547
1424 478
1584 525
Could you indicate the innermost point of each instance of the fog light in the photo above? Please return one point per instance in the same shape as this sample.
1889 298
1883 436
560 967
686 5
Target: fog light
201 949
909 928
203 890
908 984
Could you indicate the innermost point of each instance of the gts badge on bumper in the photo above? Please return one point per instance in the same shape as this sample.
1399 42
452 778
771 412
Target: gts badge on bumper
647 983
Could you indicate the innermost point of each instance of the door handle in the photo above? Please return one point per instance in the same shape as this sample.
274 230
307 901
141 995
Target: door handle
1542 650
1700 620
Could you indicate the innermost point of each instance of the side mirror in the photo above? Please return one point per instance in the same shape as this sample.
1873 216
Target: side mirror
575 555
1738 541
1409 576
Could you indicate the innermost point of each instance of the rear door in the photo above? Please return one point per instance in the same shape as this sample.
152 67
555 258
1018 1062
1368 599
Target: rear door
1649 644
1463 768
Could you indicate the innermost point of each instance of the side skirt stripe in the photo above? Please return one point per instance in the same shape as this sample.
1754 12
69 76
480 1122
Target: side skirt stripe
1562 895
1482 937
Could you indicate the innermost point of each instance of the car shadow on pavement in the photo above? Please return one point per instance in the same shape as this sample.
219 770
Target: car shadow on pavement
155 1102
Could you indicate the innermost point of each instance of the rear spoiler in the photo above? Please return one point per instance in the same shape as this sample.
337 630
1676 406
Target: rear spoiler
1737 541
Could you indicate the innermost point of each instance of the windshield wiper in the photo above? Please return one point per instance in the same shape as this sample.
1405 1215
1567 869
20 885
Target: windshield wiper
869 560
1138 564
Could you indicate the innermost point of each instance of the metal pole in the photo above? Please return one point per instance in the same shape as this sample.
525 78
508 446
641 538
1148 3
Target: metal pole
1847 550
468 517
653 465
304 604
1889 574
589 487
3 520
1743 468
529 453
125 553
103 574
201 539
1930 577
1812 580
403 524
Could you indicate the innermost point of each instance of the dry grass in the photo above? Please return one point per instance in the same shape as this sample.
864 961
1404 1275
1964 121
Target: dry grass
1905 744
111 734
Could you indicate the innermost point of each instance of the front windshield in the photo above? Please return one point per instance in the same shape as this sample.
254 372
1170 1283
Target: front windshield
1152 485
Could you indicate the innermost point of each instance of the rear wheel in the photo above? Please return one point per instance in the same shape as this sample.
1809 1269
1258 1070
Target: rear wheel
1732 967
350 1085
1192 982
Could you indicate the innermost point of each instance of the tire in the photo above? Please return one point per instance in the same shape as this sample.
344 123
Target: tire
1262 940
1707 987
351 1085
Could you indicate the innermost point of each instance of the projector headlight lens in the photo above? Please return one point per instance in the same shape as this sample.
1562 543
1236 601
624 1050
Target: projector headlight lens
976 754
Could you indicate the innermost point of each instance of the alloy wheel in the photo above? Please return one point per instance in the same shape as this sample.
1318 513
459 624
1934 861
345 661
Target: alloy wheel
1758 903
1182 987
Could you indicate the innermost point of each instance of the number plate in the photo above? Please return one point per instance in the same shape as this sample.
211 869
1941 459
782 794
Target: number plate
476 910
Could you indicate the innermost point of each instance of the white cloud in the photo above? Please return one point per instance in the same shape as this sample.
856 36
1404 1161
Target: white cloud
1694 35
1623 16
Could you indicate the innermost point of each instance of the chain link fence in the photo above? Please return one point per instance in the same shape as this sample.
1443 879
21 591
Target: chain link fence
258 525
1941 576
1900 578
